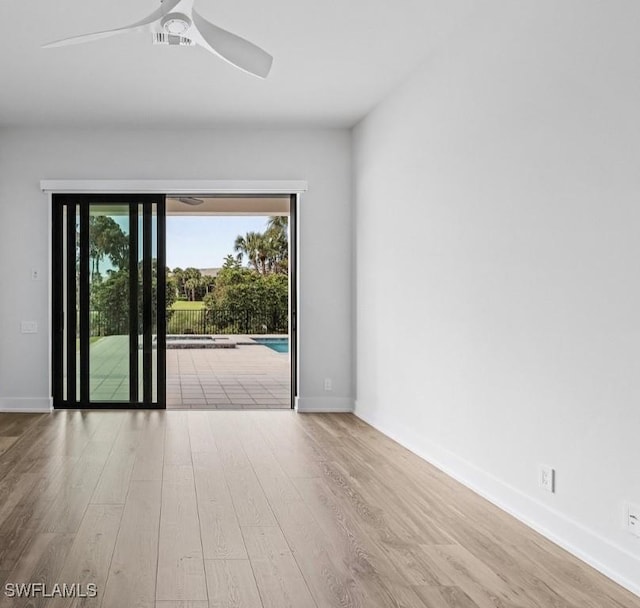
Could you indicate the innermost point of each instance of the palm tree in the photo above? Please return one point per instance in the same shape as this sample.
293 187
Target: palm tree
278 237
178 276
279 223
192 281
207 283
191 285
250 245
266 252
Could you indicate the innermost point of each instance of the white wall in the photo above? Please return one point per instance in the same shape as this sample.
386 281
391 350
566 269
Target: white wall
498 285
321 157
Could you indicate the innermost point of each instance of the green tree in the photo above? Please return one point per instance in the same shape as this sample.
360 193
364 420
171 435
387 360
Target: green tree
106 238
206 285
250 245
173 286
177 275
231 262
110 304
277 236
278 223
266 251
110 300
192 281
247 301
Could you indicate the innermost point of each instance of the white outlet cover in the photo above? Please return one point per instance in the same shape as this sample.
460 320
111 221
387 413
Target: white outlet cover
633 519
547 478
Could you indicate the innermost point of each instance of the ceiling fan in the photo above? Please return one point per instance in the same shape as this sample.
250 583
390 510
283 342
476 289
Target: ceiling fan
176 22
190 200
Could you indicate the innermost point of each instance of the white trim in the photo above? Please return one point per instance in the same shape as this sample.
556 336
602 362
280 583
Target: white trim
50 293
611 560
299 332
35 405
173 186
50 186
324 405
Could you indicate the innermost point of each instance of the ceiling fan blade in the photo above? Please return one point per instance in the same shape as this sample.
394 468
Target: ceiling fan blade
165 8
190 200
234 49
88 37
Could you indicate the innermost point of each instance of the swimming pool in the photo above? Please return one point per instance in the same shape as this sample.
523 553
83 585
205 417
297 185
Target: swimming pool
280 345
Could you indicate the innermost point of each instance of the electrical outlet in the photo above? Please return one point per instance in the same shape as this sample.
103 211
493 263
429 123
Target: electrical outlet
547 478
633 519
35 274
29 327
328 385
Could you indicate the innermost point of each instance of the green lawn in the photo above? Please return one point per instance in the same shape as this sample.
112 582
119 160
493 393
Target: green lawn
188 306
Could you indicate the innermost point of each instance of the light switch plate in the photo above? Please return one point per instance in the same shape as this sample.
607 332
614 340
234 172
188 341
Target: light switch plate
29 327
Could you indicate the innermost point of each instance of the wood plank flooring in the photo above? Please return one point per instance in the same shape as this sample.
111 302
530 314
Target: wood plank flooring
260 509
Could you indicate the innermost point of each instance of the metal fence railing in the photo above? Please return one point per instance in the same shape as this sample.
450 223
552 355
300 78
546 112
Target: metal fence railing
105 324
200 322
225 321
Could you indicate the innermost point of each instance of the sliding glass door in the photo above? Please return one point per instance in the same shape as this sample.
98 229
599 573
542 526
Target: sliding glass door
108 301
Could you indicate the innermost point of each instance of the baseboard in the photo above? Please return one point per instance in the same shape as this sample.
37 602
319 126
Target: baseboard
35 405
324 405
613 561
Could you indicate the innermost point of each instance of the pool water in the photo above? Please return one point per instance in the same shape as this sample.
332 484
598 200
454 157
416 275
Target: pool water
280 345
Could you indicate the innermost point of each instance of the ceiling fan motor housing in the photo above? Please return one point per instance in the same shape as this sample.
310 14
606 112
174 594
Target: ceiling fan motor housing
175 24
171 40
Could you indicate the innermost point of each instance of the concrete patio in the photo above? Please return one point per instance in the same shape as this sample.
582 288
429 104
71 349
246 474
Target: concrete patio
245 377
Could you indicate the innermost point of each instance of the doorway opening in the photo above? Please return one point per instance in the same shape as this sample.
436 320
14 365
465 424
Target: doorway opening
228 302
135 328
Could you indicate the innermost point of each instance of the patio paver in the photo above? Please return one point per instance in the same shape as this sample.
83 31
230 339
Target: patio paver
245 377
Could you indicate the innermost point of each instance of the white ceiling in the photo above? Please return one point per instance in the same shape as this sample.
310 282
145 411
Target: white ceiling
334 60
224 205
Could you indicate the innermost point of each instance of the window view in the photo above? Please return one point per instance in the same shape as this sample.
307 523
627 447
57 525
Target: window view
227 308
105 296
109 319
223 302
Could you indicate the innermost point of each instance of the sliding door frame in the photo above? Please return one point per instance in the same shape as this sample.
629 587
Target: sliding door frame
171 187
293 295
64 323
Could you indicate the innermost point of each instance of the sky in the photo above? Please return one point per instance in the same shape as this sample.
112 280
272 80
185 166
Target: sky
204 242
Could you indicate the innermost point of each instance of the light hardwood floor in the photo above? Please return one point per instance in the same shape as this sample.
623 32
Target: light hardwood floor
251 509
